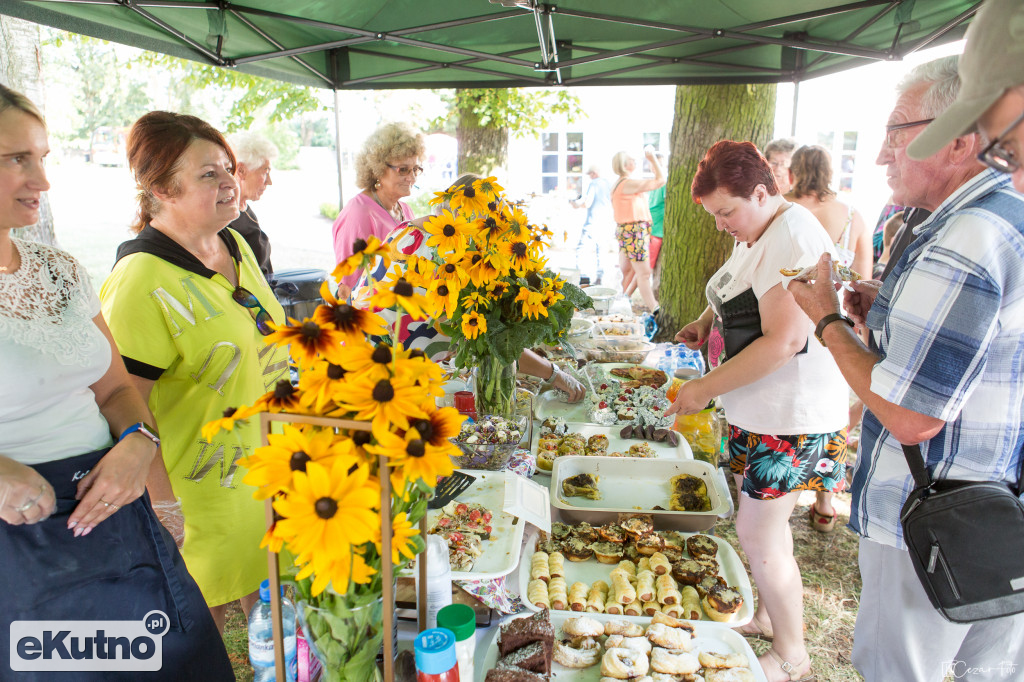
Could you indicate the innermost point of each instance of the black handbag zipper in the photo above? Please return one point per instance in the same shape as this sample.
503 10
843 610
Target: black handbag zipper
936 557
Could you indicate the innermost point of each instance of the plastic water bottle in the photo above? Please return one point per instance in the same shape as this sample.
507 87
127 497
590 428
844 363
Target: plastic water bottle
439 579
261 638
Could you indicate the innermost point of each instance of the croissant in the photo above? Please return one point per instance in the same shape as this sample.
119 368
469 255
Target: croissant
539 567
537 593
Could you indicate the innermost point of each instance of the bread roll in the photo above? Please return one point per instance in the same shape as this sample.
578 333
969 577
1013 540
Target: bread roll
537 593
578 596
539 567
556 565
597 597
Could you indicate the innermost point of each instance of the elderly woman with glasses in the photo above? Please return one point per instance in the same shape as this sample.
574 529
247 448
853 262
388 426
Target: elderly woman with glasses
386 169
254 154
188 308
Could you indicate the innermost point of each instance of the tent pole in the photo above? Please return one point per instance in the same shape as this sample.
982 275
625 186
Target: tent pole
337 148
796 102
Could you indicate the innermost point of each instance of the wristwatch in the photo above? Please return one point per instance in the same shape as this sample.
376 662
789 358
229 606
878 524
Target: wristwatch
143 428
826 321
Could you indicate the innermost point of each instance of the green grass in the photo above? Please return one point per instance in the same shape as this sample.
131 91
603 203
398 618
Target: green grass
236 639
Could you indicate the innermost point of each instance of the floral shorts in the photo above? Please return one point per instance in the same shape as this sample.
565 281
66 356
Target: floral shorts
772 466
634 239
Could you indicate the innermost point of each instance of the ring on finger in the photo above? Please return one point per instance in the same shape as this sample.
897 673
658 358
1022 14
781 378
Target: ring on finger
115 507
30 503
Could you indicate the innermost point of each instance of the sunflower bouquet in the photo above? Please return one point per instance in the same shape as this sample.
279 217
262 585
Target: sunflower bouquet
325 482
491 287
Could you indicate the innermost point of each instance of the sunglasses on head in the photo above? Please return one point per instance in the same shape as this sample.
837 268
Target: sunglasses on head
405 170
247 299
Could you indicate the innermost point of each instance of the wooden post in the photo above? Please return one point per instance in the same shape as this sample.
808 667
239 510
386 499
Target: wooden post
386 568
421 592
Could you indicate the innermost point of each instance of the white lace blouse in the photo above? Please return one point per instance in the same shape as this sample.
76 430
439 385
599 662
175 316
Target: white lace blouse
50 353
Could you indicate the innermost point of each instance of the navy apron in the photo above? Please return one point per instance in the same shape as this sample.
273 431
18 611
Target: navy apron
126 567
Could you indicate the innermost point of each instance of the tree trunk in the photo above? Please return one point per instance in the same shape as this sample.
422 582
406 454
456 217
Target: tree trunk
482 150
21 70
693 249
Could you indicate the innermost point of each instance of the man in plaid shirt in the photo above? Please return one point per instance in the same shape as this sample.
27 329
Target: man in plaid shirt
949 322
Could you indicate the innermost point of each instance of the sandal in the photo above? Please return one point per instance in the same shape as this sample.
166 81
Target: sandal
759 631
790 669
822 523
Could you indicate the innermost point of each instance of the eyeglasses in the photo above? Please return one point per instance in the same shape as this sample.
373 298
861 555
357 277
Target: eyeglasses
405 170
995 155
898 140
247 299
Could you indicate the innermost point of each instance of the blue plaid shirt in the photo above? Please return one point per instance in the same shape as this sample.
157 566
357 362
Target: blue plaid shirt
950 327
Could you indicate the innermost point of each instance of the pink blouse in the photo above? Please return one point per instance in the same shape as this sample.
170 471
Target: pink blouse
362 218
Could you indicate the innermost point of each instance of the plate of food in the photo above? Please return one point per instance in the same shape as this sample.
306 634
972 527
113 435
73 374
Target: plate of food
592 647
555 438
483 541
683 494
580 567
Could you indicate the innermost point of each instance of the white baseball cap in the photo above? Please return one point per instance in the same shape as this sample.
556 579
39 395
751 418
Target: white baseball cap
993 62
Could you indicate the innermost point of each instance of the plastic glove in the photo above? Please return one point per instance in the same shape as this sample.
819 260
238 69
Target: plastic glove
566 383
25 496
172 518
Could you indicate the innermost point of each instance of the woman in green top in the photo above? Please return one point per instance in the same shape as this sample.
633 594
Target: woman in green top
188 308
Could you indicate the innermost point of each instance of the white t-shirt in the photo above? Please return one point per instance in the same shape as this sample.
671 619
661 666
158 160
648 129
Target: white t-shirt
50 353
807 394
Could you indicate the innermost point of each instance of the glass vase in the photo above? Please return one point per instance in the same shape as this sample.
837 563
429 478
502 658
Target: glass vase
495 387
345 634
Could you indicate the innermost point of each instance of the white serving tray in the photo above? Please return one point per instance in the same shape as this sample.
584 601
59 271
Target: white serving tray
630 484
551 403
617 443
710 636
501 552
591 570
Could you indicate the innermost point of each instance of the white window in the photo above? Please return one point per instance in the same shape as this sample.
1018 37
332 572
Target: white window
561 163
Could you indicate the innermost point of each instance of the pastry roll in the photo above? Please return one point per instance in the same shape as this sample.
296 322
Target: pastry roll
689 601
578 596
645 586
539 567
597 597
635 608
624 591
556 565
630 568
643 565
557 594
611 604
667 592
673 610
660 564
651 607
537 593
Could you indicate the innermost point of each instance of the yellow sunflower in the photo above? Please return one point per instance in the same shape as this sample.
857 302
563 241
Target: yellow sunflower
452 272
518 253
402 543
551 297
444 296
473 324
386 401
467 199
328 508
419 271
449 233
474 300
395 291
518 224
348 320
343 566
533 303
412 457
227 422
272 466
284 398
307 339
472 264
374 362
489 187
320 384
440 424
362 251
427 374
497 289
489 230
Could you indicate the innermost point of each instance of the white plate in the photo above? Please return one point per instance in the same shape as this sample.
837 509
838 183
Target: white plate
551 403
717 637
591 570
617 443
501 552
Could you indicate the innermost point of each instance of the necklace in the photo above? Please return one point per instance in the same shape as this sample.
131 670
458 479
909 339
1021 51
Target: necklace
395 212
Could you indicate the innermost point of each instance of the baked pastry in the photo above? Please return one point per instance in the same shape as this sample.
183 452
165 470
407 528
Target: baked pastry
533 657
650 607
624 628
668 637
578 597
557 594
660 564
581 653
689 493
583 627
575 549
700 546
729 675
539 567
713 659
556 565
546 543
668 593
722 603
512 675
519 632
688 572
649 544
585 533
644 564
612 533
623 664
607 552
597 596
708 564
641 644
560 531
636 525
673 622
537 593
707 583
597 443
625 593
631 554
611 605
643 449
672 553
673 610
674 662
840 273
690 603
645 590
582 485
546 460
634 608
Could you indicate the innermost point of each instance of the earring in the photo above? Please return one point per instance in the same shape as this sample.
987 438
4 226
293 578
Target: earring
376 185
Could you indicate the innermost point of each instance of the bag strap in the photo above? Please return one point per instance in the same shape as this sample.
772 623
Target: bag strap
916 463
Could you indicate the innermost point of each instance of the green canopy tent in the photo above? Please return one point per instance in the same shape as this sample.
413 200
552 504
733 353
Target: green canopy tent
343 44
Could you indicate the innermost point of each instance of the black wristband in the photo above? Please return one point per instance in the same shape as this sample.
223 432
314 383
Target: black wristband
826 321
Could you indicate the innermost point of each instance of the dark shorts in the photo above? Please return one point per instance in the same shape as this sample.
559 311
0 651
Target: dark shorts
634 239
772 466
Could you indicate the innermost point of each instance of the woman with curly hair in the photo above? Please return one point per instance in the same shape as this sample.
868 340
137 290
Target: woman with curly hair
386 169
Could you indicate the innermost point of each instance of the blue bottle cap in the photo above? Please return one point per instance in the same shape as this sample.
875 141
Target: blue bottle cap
435 651
265 591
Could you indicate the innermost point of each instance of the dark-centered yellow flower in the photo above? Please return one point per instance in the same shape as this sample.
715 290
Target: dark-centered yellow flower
307 339
444 296
271 467
284 398
382 361
353 323
363 252
449 233
412 457
228 421
474 300
386 401
395 291
402 535
440 424
468 200
320 385
533 303
473 324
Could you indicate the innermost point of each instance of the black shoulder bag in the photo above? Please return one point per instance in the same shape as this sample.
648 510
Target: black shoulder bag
966 539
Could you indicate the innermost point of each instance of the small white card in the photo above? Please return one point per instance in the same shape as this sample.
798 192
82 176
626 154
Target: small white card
529 501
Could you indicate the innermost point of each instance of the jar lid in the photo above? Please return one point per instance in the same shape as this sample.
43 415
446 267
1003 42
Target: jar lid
435 651
459 618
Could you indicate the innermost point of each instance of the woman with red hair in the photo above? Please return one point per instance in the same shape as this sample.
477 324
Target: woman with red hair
784 397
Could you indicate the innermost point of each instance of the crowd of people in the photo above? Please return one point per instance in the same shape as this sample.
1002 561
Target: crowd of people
113 503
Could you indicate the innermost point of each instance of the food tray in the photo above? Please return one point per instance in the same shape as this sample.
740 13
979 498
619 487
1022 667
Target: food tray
617 444
710 637
635 352
500 553
602 372
591 570
617 333
630 485
551 403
